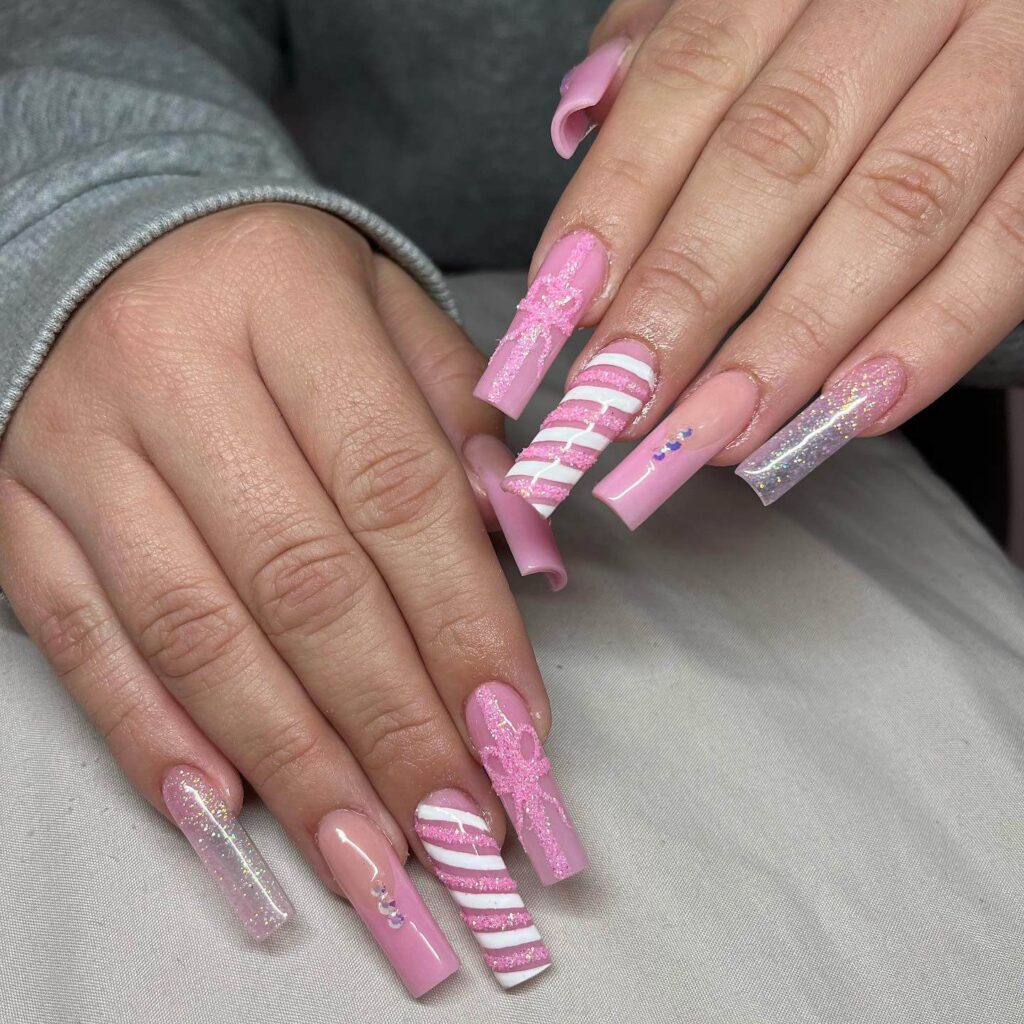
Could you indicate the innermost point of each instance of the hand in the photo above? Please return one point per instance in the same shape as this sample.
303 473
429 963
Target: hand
851 170
231 521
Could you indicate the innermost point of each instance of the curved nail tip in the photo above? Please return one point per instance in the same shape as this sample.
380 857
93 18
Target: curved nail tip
765 499
569 127
608 502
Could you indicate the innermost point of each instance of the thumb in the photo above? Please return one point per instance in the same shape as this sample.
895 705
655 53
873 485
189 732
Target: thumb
446 366
589 89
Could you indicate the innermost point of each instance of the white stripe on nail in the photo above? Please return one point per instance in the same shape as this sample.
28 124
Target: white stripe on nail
585 437
458 859
487 900
509 979
547 471
628 363
513 937
608 397
453 814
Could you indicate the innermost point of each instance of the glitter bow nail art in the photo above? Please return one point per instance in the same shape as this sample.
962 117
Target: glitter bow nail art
511 753
566 284
849 406
466 859
226 851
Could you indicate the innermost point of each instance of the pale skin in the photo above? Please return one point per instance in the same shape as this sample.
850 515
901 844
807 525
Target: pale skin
232 512
851 169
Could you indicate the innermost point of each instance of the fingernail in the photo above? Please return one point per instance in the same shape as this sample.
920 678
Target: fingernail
841 412
499 724
529 536
694 432
603 400
365 866
466 859
569 278
226 851
582 89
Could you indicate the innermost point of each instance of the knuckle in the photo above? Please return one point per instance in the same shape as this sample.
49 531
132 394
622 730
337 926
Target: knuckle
192 633
678 280
308 584
799 327
784 129
401 488
76 635
286 752
912 190
1003 217
695 48
393 730
621 174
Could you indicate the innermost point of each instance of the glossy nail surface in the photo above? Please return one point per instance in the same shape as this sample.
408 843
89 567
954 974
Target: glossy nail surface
569 278
604 399
500 727
466 859
694 432
849 406
226 851
528 535
583 88
373 880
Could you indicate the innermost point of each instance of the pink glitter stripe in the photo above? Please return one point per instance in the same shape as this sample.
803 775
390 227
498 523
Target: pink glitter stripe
542 490
453 837
614 377
557 451
491 922
588 413
525 956
476 883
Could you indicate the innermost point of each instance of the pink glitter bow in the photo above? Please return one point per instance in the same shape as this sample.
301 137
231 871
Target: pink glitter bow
551 304
520 777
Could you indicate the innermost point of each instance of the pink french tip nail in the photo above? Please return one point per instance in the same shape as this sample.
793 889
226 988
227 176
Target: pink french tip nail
604 399
849 406
500 727
694 432
226 851
367 869
467 860
528 535
567 282
582 89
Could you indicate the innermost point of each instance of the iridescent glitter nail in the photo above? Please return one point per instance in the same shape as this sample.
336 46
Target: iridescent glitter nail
843 411
226 851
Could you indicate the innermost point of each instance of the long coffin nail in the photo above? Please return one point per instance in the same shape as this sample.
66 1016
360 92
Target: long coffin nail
226 851
582 89
466 858
499 725
529 537
569 278
694 432
373 880
603 400
850 405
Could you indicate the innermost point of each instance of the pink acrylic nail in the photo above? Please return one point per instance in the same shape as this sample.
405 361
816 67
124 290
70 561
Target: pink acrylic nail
582 89
367 869
528 535
569 279
500 727
467 860
604 399
226 851
849 406
694 432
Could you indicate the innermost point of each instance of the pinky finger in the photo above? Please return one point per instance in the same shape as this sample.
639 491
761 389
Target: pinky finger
971 301
62 607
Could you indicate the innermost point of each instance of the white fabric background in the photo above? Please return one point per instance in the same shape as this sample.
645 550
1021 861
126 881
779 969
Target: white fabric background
792 740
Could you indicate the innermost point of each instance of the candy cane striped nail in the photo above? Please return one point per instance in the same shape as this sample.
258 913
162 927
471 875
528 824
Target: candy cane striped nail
604 398
465 857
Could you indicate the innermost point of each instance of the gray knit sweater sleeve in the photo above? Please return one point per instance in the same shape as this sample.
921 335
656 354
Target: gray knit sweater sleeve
122 119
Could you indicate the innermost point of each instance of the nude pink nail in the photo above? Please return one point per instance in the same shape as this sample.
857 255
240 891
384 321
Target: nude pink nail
226 851
569 278
510 750
528 535
467 859
604 399
368 870
582 89
694 432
